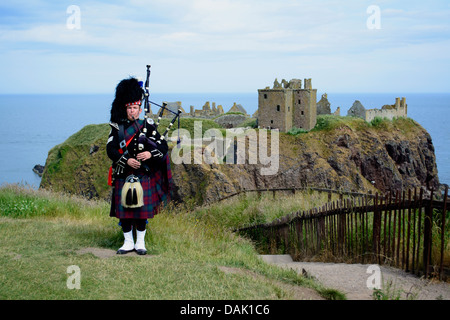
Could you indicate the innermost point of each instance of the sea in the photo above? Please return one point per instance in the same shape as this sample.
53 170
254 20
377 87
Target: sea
32 124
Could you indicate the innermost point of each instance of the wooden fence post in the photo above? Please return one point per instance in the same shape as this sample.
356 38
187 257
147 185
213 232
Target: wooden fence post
376 228
408 231
427 234
414 231
419 228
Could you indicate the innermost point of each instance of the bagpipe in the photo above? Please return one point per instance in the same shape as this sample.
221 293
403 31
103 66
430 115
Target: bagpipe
132 192
152 141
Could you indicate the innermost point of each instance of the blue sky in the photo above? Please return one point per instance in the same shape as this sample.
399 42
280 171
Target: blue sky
224 45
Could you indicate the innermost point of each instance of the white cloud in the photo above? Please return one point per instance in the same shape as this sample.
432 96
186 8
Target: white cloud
240 42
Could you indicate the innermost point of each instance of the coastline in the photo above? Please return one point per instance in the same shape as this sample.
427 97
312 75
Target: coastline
30 146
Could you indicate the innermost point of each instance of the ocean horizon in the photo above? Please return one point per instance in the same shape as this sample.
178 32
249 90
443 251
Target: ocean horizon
32 124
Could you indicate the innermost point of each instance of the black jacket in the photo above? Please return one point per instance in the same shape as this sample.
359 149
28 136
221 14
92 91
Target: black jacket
120 159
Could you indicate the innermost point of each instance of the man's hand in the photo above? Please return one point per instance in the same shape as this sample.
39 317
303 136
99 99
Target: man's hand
144 156
134 163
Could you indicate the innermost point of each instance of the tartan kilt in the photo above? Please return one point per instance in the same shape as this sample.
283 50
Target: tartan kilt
156 192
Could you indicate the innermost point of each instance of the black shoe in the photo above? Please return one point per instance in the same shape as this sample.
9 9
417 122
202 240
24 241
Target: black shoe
124 251
141 252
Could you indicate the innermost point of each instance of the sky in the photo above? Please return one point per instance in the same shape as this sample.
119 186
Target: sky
224 45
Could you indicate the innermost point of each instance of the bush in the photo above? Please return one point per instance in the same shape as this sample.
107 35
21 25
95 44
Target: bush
295 131
378 122
252 123
331 122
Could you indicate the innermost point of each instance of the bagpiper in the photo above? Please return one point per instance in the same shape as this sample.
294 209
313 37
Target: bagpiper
140 174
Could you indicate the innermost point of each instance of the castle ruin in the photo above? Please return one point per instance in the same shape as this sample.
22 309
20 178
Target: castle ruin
324 106
399 109
206 112
287 105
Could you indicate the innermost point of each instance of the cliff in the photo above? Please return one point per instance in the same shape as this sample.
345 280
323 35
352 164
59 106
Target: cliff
341 153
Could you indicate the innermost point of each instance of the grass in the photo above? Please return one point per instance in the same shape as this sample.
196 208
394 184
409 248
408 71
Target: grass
328 123
189 125
252 208
390 291
41 231
295 131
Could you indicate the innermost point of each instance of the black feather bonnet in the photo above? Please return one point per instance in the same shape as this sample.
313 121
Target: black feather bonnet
128 90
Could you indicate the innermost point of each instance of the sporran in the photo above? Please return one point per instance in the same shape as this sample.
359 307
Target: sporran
132 193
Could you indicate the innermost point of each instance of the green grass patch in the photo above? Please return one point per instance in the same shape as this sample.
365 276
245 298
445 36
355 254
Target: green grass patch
253 208
40 238
250 122
189 125
332 122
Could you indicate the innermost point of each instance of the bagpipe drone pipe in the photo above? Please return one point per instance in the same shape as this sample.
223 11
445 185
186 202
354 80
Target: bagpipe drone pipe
152 141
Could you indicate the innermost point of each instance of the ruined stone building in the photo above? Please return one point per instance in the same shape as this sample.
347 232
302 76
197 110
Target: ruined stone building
287 105
399 109
172 106
238 108
206 112
324 106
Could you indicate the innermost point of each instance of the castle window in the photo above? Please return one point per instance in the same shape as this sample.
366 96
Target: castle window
299 102
265 95
271 121
278 107
302 113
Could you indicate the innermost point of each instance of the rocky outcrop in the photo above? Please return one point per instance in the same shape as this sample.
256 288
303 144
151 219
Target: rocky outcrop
353 156
80 165
38 169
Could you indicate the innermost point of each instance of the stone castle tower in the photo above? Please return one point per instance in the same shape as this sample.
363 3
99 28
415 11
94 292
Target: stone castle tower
287 105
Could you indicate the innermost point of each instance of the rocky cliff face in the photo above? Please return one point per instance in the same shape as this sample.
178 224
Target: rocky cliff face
349 155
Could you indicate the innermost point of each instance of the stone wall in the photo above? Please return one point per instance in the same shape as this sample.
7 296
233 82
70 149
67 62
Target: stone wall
397 110
273 109
324 106
357 110
305 112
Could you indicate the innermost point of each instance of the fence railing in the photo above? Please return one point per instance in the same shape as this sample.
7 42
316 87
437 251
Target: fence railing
401 229
294 189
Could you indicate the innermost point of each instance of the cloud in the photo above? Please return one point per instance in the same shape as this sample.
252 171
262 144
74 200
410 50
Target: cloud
214 26
224 37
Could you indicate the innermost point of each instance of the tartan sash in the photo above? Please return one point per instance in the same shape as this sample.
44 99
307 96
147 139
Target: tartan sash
126 135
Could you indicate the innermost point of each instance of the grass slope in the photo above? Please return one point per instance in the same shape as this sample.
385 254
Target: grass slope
41 232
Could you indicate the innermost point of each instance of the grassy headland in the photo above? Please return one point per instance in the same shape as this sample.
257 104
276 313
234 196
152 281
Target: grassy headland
191 250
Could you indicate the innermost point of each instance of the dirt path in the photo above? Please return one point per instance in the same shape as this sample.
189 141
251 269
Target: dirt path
352 279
